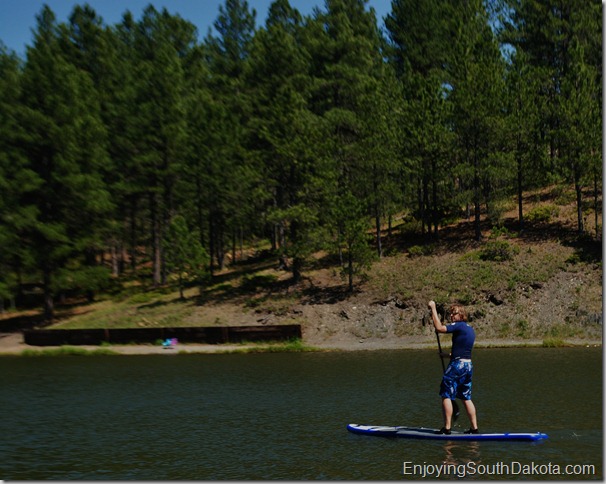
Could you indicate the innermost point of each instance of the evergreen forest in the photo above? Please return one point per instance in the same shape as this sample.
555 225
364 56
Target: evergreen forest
147 149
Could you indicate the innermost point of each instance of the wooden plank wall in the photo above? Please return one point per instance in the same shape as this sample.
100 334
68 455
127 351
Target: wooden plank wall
207 335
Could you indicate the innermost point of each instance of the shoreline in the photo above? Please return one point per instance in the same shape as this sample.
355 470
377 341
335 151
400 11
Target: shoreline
11 344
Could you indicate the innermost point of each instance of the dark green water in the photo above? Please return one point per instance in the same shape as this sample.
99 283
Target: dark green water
283 416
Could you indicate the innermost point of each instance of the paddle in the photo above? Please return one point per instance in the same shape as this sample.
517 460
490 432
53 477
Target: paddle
455 406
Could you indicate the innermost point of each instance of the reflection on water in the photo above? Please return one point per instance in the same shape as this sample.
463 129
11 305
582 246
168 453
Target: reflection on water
284 416
455 453
460 460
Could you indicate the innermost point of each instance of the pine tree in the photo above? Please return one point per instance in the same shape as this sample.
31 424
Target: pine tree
532 27
381 149
66 149
185 256
281 135
561 42
345 45
418 48
523 127
200 111
232 173
93 48
128 183
579 117
16 180
161 131
476 77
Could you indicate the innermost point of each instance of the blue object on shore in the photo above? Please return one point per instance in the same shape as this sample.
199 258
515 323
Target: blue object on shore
170 342
434 434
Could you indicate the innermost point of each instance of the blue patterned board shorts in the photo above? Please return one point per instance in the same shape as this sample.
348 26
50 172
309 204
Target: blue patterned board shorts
456 382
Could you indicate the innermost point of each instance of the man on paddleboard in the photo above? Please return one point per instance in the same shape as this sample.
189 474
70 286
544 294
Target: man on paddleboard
456 382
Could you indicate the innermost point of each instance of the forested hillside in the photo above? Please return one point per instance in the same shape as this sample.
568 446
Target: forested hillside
140 151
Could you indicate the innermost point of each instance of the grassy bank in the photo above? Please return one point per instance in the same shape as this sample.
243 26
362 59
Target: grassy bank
507 288
292 346
67 351
544 284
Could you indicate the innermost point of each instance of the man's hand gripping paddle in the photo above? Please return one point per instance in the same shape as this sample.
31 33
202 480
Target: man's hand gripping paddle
455 406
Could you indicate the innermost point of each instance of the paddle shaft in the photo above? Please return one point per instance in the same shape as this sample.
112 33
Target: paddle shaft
455 406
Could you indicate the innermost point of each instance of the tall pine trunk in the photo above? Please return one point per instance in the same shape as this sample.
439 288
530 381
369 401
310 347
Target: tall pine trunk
579 195
476 199
297 262
49 305
156 242
350 267
378 231
220 248
520 193
114 250
211 243
434 200
133 235
596 205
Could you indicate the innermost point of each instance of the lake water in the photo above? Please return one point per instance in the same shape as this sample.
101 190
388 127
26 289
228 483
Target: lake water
284 416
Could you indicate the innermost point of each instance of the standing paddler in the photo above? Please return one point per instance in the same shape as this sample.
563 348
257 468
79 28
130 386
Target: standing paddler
456 382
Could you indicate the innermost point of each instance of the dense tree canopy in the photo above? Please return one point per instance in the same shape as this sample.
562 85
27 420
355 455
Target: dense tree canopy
308 132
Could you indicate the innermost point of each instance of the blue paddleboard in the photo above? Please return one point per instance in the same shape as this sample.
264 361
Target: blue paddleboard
434 434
